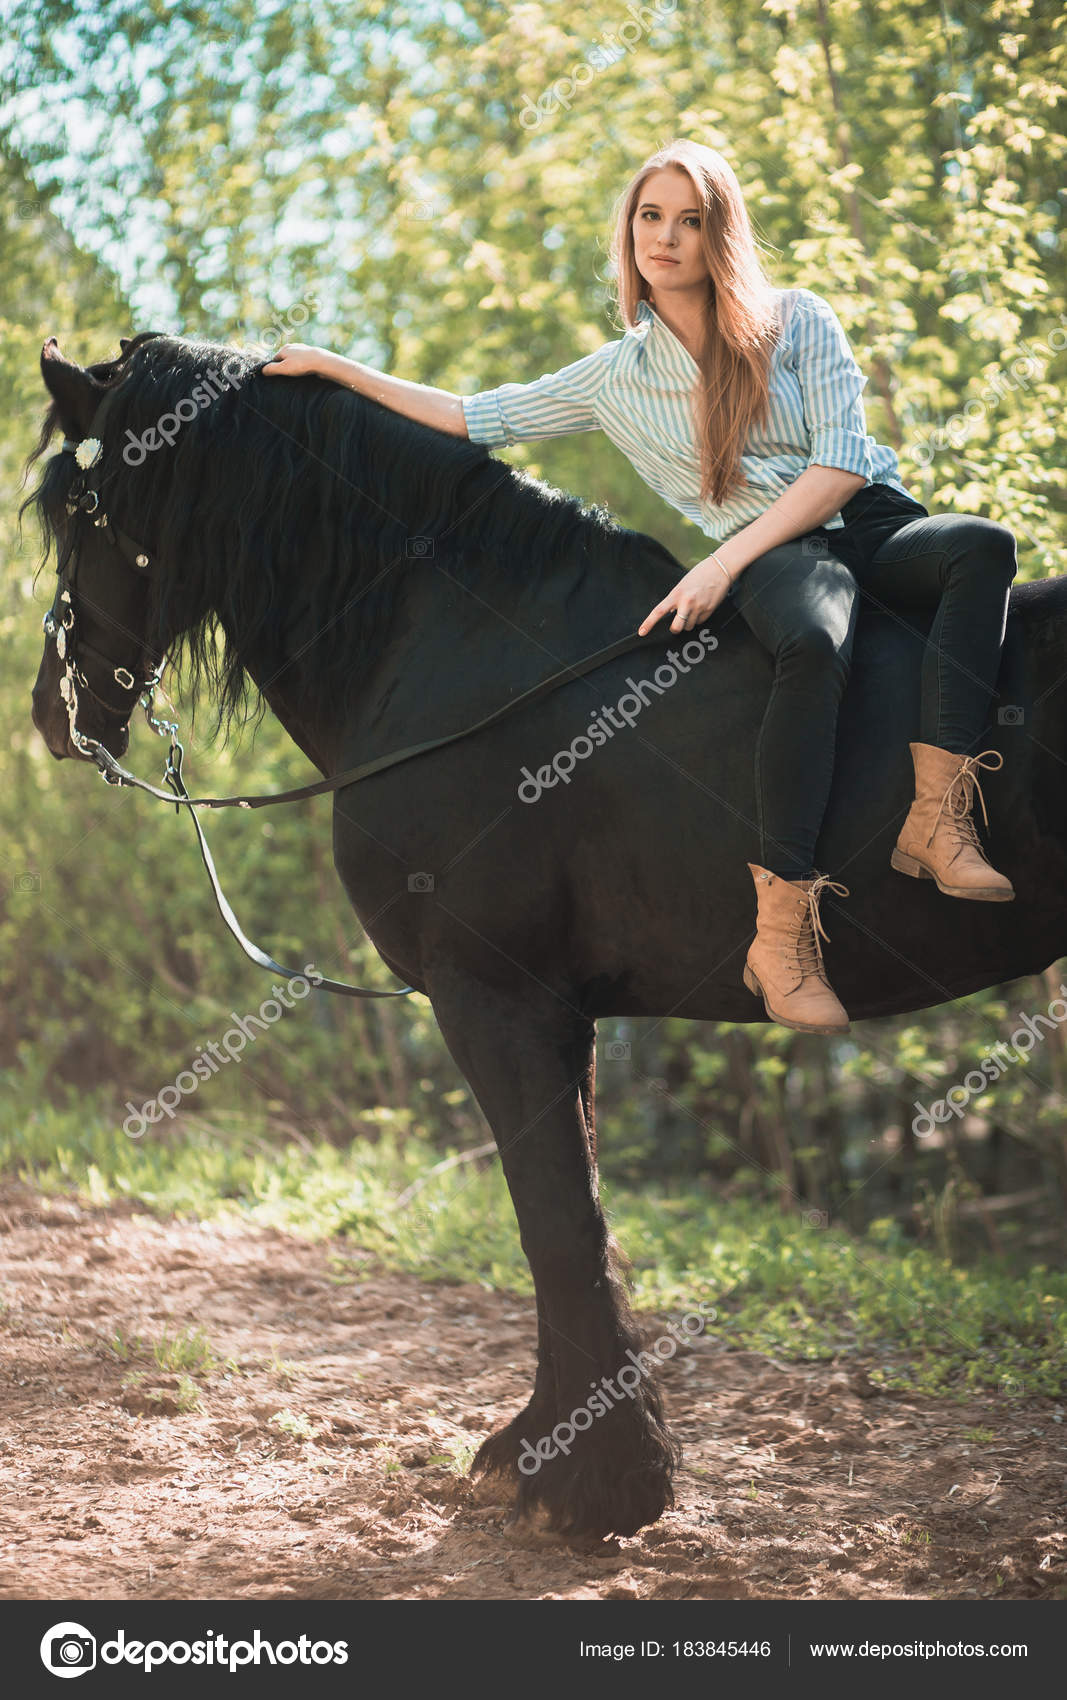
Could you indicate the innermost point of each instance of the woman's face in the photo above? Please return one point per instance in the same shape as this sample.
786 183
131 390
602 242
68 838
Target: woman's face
667 221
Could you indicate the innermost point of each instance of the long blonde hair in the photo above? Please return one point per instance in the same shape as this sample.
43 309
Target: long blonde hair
741 321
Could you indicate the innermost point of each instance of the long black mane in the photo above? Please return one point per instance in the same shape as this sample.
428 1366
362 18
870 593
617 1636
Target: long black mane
286 499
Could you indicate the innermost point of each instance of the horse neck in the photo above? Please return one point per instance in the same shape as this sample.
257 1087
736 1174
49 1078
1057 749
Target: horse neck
284 695
1033 677
315 742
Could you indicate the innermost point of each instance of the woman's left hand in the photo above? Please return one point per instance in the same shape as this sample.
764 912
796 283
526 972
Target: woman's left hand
693 598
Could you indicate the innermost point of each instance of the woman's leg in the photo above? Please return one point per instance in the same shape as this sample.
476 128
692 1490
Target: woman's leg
801 603
962 565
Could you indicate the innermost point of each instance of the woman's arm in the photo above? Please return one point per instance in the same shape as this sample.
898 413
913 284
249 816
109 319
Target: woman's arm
555 405
819 492
439 408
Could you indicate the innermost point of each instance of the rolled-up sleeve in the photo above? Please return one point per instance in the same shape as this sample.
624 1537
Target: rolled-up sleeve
832 386
553 406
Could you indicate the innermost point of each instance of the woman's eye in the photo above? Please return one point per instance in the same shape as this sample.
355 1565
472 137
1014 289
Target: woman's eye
692 218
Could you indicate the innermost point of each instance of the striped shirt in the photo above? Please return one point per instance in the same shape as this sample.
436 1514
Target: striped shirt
638 392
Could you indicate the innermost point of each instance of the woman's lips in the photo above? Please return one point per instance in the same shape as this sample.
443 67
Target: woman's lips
662 260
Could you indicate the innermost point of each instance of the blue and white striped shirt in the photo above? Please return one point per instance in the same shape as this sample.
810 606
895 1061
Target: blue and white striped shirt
638 392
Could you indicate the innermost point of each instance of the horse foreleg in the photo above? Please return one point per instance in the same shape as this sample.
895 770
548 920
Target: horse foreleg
591 1447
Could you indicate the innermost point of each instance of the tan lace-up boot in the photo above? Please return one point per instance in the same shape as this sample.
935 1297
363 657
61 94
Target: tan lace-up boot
784 964
939 839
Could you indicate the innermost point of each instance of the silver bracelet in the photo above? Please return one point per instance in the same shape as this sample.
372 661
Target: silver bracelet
721 568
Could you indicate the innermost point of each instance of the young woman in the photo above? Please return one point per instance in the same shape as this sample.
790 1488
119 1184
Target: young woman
741 405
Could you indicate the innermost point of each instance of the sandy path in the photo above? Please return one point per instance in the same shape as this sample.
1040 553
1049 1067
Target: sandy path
798 1482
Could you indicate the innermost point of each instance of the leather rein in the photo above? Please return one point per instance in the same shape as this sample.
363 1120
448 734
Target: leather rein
82 497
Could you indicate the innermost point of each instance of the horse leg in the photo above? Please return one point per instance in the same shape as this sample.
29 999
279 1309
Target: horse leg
597 1458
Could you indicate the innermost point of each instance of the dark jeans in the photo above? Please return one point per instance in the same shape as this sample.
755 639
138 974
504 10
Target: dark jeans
802 599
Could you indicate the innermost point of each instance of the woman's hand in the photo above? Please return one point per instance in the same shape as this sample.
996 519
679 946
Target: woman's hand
693 598
297 360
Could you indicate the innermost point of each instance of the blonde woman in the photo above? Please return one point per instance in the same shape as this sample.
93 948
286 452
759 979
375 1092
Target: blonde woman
741 405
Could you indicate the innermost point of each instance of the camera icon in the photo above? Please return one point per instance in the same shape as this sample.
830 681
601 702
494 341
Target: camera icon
419 548
617 1050
813 544
1010 715
822 213
26 882
816 1219
68 1649
420 882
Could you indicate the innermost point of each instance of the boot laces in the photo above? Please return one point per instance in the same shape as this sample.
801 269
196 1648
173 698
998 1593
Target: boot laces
958 801
806 946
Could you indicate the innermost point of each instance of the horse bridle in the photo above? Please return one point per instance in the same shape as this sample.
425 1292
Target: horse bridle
88 452
59 621
59 624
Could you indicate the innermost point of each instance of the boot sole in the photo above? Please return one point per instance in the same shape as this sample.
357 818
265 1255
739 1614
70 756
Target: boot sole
983 894
798 1026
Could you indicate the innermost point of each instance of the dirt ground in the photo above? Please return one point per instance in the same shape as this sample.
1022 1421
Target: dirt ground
798 1481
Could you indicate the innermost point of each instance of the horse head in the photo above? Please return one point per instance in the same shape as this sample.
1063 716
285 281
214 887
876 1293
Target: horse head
97 661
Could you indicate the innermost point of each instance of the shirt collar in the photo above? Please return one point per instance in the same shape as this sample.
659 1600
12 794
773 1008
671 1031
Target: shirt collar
647 315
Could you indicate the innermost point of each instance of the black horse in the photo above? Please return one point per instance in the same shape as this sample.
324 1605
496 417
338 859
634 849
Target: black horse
381 583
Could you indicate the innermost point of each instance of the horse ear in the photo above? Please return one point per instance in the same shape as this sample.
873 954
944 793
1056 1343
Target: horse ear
126 342
75 392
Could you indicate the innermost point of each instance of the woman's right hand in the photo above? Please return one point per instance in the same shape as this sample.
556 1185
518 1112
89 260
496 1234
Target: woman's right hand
694 598
297 360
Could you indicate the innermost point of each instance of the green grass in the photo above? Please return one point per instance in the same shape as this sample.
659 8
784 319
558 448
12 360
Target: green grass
294 1423
184 1354
458 1458
283 1368
776 1283
188 1349
186 1396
